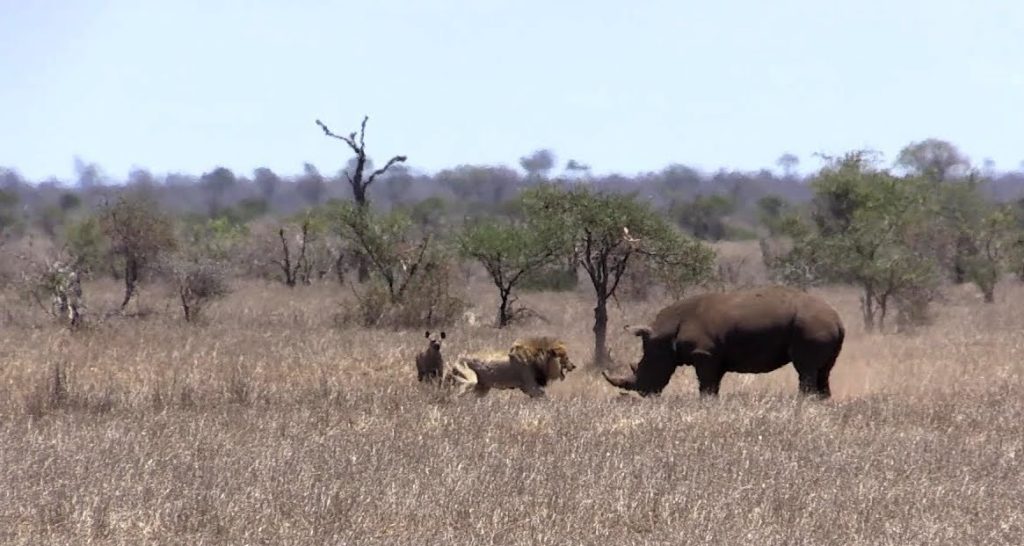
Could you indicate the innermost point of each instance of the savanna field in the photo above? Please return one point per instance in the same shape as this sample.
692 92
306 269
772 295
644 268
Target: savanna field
272 422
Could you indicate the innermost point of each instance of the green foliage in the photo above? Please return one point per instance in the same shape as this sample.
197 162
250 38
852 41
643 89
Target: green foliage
214 238
85 242
960 211
69 201
867 226
10 219
704 216
772 211
607 231
138 233
935 160
508 252
250 208
428 213
995 238
410 272
559 276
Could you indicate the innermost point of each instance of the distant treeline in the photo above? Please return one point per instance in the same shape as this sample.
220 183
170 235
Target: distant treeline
689 196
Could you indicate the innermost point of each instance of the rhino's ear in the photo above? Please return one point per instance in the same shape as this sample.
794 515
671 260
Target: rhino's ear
643 332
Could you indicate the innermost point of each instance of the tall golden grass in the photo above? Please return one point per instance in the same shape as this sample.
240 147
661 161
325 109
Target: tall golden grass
272 424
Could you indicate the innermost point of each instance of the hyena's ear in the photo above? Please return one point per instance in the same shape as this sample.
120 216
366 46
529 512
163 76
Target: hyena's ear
428 334
442 334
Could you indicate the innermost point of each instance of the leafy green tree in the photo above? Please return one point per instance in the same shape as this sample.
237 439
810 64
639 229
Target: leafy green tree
138 232
960 209
395 254
610 231
538 164
213 238
934 159
85 243
216 184
867 224
771 210
410 271
429 213
789 163
704 216
508 252
9 217
994 238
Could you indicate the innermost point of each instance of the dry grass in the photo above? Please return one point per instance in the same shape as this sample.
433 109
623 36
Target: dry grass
271 425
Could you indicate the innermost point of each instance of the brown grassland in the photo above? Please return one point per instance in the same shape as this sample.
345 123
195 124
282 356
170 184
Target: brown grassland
272 424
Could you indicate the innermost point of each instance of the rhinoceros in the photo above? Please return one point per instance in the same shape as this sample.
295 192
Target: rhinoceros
753 330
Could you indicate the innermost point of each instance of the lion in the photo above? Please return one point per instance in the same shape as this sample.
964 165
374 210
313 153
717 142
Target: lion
529 366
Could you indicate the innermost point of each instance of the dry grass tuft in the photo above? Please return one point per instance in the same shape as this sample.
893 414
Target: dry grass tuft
271 425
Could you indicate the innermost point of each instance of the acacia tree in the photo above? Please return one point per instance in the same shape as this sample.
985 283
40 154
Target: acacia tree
357 178
937 160
138 232
994 238
868 229
509 252
608 232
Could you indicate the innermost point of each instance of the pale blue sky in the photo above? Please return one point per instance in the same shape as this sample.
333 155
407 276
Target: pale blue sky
187 85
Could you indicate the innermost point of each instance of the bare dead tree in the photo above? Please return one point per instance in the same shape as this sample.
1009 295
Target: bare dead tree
358 179
291 268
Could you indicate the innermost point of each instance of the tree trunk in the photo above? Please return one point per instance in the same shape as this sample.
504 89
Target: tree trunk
867 307
883 306
339 267
601 356
286 263
131 274
363 273
186 308
359 196
504 312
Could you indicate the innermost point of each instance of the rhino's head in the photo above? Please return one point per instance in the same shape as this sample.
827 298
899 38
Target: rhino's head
652 373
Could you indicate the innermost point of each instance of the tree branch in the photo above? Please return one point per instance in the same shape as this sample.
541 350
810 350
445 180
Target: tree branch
382 170
362 133
350 140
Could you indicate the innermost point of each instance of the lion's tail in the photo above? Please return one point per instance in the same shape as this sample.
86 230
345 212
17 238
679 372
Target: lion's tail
460 375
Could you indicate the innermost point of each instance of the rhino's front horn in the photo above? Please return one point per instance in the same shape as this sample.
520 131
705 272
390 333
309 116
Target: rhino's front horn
620 382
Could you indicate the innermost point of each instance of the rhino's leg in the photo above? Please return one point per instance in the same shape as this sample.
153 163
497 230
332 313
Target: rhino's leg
813 363
709 374
823 390
808 381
